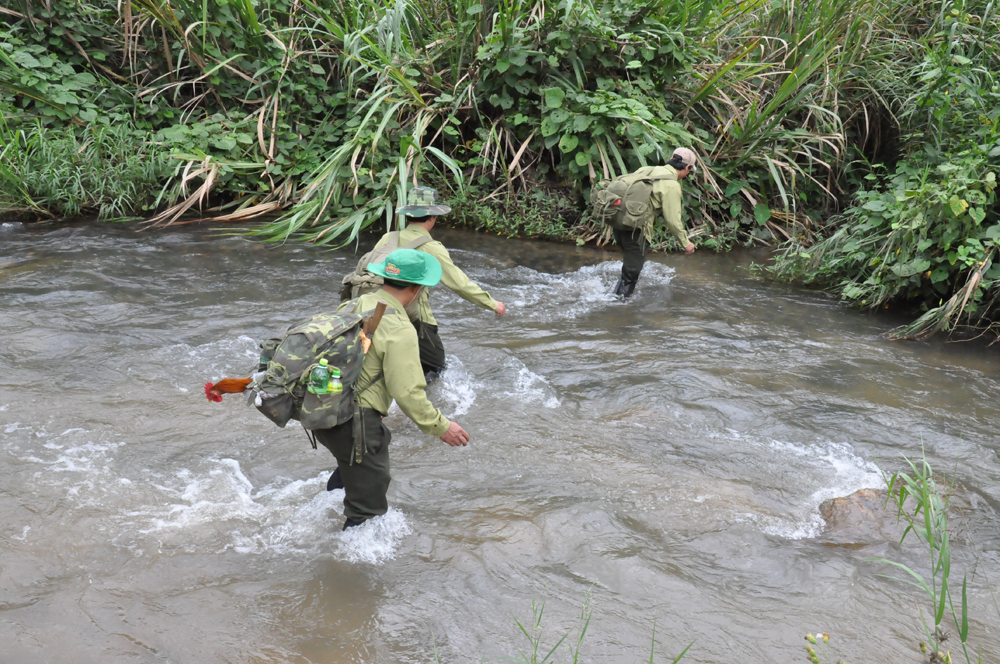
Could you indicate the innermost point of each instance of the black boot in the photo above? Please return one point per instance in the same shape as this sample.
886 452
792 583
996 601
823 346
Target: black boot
620 288
628 285
335 481
352 523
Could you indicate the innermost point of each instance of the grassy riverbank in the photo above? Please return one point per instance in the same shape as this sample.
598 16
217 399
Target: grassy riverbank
862 137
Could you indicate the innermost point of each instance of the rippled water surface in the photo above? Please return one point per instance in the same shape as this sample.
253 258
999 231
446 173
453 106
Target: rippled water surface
666 456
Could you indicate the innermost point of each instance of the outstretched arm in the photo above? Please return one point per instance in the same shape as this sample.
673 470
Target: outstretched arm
670 206
453 277
405 380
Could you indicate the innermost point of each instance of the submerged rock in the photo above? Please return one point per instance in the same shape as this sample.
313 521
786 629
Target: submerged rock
860 518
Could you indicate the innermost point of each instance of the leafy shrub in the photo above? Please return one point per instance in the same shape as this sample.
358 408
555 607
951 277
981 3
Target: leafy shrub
924 230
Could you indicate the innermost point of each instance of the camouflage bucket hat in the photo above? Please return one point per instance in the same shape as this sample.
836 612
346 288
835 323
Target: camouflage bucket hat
410 266
422 202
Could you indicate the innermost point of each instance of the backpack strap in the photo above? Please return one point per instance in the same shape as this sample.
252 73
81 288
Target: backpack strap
358 425
418 242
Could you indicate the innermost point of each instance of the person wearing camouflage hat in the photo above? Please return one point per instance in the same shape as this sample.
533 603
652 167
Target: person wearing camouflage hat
391 371
665 198
421 211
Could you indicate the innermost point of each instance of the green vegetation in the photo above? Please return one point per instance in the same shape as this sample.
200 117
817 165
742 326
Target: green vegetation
861 135
922 226
924 508
538 654
819 656
59 172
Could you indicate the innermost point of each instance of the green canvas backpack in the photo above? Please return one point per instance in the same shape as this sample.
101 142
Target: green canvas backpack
278 389
362 281
623 203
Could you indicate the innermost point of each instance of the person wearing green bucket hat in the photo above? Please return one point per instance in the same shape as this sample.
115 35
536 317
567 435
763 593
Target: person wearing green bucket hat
409 266
391 371
421 211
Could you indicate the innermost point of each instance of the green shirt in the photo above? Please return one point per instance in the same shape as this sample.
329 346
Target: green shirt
395 353
451 275
666 197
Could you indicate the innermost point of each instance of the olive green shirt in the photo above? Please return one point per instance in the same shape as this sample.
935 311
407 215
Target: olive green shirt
451 275
666 197
394 352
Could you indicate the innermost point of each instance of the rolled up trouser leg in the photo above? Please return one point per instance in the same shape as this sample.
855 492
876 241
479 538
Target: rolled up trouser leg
365 483
432 356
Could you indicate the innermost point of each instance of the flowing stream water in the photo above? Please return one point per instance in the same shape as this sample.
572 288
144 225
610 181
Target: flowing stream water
665 458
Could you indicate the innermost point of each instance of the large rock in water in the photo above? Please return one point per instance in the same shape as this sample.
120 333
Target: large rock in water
860 518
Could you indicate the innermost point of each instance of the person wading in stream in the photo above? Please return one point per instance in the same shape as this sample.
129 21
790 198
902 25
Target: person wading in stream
422 210
391 370
631 203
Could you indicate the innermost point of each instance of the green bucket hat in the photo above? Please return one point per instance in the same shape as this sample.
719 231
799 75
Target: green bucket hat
410 266
422 202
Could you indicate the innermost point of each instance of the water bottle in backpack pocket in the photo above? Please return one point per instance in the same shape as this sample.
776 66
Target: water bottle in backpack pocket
326 342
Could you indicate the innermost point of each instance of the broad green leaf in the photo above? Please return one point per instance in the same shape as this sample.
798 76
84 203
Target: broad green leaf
554 97
503 64
761 213
224 142
559 115
735 187
875 206
549 127
568 142
910 268
977 214
474 9
958 206
633 64
582 158
581 122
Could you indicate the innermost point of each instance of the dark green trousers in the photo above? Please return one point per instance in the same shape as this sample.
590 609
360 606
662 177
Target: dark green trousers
365 483
431 347
634 247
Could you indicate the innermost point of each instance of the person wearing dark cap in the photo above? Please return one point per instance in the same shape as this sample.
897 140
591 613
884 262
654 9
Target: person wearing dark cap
391 371
665 197
421 211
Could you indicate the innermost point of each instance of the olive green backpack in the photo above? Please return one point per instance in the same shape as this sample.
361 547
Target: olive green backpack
362 281
279 389
623 203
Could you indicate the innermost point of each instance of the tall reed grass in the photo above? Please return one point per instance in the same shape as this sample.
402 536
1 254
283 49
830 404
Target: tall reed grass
922 504
821 124
105 172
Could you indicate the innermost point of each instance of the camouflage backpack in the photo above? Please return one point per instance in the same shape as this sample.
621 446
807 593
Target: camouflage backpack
623 203
362 281
279 385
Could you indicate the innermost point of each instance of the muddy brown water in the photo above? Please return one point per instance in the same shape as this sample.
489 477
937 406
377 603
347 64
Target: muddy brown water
664 457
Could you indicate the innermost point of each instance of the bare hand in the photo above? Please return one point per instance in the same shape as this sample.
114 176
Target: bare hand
501 309
689 249
455 436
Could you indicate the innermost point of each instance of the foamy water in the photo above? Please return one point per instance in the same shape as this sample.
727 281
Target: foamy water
666 456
